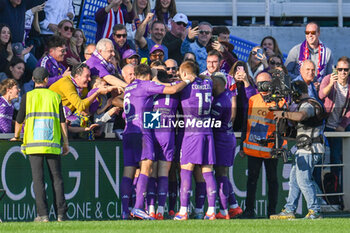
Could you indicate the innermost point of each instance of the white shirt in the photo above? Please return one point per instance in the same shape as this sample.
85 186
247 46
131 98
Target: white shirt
55 12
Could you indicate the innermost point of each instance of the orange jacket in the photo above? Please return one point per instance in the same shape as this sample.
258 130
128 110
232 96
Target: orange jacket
260 125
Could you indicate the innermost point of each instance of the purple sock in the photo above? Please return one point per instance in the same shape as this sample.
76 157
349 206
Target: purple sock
222 182
133 196
211 188
172 194
151 191
162 190
186 186
126 192
231 195
200 194
141 191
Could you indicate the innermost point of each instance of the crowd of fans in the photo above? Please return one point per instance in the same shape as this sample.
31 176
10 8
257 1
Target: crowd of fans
91 77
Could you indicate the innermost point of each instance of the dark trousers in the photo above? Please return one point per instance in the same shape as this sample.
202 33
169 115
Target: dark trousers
254 166
54 165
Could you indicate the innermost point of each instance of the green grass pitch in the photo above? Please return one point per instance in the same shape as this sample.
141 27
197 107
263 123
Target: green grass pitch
328 225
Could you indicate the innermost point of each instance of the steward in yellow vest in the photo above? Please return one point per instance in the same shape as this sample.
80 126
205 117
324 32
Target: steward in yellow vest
42 111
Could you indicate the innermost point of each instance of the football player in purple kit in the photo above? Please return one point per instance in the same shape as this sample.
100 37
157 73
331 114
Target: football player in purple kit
224 103
137 140
198 143
164 145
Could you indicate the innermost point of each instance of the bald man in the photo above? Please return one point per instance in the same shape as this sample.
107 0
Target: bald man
308 75
260 125
171 67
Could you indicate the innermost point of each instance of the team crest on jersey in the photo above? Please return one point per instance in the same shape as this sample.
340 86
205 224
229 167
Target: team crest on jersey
151 120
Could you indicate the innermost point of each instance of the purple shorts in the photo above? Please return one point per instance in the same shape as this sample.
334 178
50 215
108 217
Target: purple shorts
137 147
225 146
164 146
198 149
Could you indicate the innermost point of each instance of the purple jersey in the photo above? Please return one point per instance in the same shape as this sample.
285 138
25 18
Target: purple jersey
6 114
224 138
221 110
167 106
196 101
55 69
138 98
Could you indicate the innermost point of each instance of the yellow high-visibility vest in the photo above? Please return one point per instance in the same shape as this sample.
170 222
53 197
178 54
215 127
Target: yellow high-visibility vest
42 130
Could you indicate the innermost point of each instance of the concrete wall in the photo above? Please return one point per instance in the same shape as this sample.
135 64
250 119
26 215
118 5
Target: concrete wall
337 39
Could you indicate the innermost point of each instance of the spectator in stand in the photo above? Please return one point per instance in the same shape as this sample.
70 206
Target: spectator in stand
335 94
172 68
15 70
277 68
53 60
214 60
100 63
157 36
307 74
55 12
311 49
269 44
174 38
189 56
245 88
121 44
8 90
116 59
196 42
79 40
257 61
141 8
6 52
74 88
90 48
156 53
130 57
128 73
101 108
65 29
116 12
32 28
12 13
164 11
227 58
223 36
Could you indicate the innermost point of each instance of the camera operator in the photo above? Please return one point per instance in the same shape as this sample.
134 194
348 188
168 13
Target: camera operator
258 146
309 150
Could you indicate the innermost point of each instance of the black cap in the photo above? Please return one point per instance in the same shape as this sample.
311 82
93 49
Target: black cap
39 74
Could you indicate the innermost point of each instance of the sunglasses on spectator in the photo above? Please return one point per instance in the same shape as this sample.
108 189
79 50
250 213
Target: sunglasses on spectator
312 32
172 68
254 53
120 35
204 32
66 28
181 23
272 62
343 69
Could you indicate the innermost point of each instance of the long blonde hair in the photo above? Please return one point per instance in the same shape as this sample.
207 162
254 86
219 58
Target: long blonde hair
136 8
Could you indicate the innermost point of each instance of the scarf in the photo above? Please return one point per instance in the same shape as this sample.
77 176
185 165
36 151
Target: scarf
304 54
108 66
110 22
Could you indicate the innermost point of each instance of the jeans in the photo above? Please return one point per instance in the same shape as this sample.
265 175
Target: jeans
54 166
300 181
